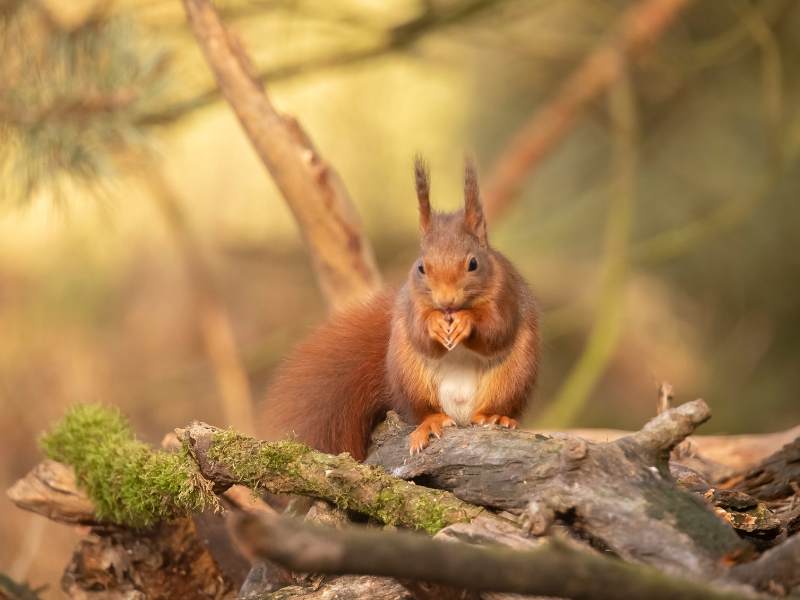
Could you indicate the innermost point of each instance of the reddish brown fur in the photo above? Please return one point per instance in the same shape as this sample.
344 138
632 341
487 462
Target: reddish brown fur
331 390
337 384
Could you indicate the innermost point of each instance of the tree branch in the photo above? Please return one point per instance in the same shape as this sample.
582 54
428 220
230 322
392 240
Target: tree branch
341 256
392 40
639 26
227 458
551 569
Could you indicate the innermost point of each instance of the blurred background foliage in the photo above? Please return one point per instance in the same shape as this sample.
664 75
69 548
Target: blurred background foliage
660 237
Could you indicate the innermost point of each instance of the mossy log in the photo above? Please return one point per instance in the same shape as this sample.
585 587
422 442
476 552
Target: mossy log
619 494
227 458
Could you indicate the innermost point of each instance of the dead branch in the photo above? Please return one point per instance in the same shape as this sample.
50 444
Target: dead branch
639 26
50 489
595 487
552 569
736 452
226 458
341 256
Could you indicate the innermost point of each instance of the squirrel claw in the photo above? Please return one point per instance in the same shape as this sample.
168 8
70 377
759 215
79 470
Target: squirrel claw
502 421
431 425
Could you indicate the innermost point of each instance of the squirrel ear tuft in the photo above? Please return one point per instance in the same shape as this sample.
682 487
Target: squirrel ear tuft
423 185
473 211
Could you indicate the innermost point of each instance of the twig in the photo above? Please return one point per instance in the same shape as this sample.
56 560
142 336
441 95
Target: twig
552 569
665 397
671 427
341 256
640 25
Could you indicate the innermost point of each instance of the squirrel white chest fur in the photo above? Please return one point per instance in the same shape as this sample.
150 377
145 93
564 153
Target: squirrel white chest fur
456 379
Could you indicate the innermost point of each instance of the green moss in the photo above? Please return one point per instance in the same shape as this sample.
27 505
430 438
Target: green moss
431 515
428 512
129 483
249 459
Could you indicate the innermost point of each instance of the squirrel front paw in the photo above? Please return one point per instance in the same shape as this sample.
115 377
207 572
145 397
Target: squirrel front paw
460 327
483 419
449 328
439 328
431 425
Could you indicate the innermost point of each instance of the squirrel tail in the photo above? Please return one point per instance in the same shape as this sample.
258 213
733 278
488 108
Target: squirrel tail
331 390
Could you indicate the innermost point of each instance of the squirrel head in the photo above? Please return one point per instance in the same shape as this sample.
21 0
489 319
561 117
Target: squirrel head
455 266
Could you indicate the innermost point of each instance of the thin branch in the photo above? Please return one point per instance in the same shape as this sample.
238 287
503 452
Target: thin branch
392 40
639 27
341 256
553 569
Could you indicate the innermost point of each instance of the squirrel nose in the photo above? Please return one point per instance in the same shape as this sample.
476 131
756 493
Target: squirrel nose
448 305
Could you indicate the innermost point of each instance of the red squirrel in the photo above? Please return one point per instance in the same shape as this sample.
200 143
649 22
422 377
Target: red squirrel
457 344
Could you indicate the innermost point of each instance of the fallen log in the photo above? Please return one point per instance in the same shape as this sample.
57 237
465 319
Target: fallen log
619 495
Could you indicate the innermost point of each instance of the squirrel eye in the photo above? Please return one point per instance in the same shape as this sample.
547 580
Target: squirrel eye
421 268
473 264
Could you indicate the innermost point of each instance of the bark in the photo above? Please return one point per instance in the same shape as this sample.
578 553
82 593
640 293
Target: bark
729 453
341 256
595 488
776 571
776 478
351 587
50 489
169 561
551 569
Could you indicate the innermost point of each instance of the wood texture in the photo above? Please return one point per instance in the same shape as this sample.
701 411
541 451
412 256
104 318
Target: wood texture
595 487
